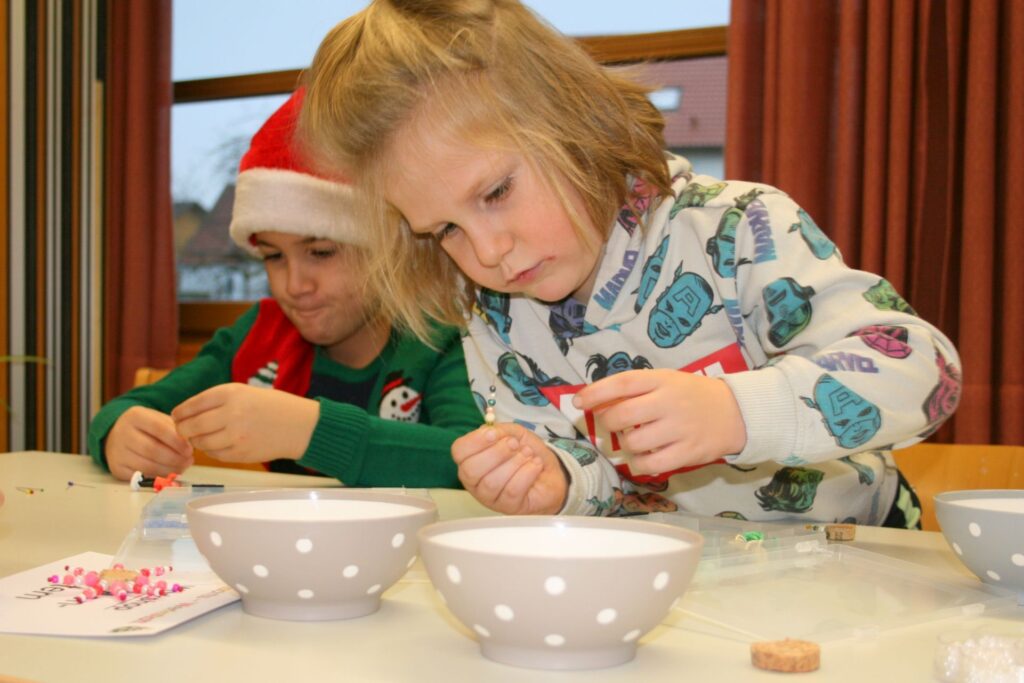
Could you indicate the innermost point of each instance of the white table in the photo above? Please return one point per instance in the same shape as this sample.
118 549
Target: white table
411 638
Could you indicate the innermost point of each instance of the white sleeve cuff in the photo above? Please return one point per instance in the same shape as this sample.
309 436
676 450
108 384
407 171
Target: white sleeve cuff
768 408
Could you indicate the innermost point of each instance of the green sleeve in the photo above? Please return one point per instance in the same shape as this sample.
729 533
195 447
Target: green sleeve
212 366
365 450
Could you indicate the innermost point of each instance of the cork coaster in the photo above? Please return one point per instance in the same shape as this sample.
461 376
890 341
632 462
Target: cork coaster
787 656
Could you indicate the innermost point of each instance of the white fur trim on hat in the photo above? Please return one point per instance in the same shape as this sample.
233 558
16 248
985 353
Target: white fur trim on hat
275 200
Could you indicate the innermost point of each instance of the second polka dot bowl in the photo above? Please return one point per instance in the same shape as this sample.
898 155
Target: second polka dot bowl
985 528
309 555
559 592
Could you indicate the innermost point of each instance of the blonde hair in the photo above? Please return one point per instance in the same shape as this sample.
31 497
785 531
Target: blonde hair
497 75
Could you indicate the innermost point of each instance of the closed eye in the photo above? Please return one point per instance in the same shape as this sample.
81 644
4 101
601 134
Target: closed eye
499 192
322 253
445 231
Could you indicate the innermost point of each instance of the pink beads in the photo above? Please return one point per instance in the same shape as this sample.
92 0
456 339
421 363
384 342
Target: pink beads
117 582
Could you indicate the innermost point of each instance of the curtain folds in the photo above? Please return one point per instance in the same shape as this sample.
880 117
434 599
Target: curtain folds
140 313
899 125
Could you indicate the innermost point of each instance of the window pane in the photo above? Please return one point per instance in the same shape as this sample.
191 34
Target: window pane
208 140
231 37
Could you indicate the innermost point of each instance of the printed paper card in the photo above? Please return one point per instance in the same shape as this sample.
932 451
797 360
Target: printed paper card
30 604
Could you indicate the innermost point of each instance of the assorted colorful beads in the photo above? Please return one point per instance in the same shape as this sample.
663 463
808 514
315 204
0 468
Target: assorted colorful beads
117 582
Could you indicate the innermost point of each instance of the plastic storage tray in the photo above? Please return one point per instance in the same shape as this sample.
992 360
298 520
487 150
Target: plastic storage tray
725 537
826 592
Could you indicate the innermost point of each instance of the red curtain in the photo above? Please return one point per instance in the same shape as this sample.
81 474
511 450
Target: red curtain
899 125
140 310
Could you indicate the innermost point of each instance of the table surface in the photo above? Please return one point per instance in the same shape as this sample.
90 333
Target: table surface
411 638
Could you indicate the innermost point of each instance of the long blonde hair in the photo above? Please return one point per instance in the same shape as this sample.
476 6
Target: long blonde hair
494 73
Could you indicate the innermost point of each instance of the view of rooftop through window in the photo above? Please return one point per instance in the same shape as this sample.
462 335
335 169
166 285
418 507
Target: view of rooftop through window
234 37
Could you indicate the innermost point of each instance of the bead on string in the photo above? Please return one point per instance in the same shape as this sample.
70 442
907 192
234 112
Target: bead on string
490 417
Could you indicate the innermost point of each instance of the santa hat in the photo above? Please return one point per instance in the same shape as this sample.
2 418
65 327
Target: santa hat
279 191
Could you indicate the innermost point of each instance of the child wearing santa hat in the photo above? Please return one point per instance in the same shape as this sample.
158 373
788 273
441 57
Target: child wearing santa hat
313 378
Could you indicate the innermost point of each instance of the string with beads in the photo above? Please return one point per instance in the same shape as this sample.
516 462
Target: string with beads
491 409
117 582
490 417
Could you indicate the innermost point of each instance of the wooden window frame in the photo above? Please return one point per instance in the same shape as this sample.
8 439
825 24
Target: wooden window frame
199 320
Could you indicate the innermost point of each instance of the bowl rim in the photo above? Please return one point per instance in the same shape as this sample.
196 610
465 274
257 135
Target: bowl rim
427 535
417 505
946 497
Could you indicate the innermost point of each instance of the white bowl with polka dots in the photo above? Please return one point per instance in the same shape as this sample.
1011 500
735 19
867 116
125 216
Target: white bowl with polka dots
559 592
985 528
309 555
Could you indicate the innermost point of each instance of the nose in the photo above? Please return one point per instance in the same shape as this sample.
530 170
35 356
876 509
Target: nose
299 282
491 244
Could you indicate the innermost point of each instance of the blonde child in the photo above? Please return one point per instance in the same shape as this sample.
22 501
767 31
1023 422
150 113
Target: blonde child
515 184
313 379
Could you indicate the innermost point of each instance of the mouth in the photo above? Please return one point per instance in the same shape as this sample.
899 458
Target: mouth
526 276
306 312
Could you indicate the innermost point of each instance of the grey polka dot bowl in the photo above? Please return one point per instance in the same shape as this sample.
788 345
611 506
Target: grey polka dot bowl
559 592
309 555
985 528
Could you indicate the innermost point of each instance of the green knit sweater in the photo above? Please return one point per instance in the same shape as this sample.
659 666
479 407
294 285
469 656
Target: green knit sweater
351 441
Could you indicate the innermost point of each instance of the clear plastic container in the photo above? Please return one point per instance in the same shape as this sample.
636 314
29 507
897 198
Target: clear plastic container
725 537
827 592
161 536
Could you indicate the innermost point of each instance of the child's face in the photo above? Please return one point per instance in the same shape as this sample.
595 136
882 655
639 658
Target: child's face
494 214
314 282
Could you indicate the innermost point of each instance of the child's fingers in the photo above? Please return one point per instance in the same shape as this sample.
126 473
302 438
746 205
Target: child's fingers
518 486
479 465
200 425
492 485
218 444
161 430
627 413
200 403
608 391
476 441
649 437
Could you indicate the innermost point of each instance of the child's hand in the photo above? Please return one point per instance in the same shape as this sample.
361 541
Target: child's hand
666 418
240 423
145 440
511 470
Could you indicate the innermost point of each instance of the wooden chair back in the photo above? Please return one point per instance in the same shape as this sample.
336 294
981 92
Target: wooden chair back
146 375
932 468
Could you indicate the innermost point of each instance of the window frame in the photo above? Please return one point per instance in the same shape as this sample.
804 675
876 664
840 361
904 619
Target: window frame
199 320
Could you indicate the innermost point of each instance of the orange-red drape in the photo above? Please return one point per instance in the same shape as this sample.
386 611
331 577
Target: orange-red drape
899 125
140 304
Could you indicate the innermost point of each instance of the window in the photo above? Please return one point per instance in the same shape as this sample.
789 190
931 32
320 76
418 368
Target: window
235 61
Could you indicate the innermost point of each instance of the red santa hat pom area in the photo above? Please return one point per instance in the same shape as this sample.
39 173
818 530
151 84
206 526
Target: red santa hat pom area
278 191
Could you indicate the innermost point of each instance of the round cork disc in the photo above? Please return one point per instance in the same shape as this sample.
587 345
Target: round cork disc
787 656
